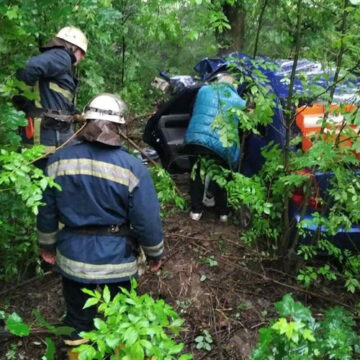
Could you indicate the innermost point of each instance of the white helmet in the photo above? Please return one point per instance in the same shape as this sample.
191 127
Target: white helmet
74 36
106 107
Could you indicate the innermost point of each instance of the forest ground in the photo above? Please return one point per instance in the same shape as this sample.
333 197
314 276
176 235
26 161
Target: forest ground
212 280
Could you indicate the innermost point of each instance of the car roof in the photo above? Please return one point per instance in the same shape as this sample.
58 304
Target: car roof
278 72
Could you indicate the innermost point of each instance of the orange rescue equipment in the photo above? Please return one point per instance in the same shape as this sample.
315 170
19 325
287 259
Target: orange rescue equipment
29 129
308 120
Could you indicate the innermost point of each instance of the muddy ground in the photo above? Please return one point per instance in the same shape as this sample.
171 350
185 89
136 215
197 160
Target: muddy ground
213 280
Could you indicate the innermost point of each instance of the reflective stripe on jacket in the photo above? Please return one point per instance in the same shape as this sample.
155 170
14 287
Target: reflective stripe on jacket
50 73
101 186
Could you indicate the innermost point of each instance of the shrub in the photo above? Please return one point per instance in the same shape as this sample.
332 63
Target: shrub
297 335
133 327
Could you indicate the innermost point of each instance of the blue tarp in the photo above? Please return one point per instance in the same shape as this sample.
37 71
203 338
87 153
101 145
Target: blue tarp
311 72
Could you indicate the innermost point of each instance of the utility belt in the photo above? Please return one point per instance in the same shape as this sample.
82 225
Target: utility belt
117 230
39 119
58 120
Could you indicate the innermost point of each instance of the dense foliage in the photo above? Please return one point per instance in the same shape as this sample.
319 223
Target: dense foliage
128 41
120 60
166 190
296 334
132 327
287 169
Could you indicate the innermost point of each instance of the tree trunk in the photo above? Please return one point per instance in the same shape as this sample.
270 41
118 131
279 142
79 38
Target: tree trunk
262 11
233 39
288 119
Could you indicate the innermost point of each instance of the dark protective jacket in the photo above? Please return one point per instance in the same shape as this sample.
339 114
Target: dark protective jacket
212 101
50 73
101 186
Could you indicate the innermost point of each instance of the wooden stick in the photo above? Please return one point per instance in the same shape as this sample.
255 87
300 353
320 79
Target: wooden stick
33 332
26 282
132 143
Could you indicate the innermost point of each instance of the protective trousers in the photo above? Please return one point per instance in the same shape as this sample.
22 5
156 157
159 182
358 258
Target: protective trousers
197 192
77 317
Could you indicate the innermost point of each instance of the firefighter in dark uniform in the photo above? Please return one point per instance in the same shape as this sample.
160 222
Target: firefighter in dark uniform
50 75
109 207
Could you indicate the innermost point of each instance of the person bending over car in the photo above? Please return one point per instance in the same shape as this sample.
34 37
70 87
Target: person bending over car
203 138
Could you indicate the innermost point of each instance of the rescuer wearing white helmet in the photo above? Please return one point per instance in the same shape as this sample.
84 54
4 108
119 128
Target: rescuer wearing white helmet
108 205
104 113
50 75
74 36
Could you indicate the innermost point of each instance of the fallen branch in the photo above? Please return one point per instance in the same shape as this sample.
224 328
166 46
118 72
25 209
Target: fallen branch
5 335
142 152
138 148
26 282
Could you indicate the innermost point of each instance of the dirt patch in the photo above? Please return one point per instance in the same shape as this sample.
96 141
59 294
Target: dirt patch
214 281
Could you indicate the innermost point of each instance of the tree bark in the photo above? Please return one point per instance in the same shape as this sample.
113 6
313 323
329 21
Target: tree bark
288 117
233 39
262 11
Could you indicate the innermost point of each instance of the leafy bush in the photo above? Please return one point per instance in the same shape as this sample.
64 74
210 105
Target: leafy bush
204 341
286 170
21 188
297 335
165 188
133 327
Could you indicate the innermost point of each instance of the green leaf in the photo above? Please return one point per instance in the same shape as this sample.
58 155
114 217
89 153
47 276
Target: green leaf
100 324
86 352
176 349
136 351
12 12
130 336
89 292
186 357
62 330
16 326
106 294
308 335
177 322
113 340
91 302
50 350
289 307
42 321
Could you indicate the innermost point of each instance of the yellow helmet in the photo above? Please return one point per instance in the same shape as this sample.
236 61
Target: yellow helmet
74 36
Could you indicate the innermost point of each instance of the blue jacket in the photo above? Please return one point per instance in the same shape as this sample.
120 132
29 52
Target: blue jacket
101 186
211 101
50 73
